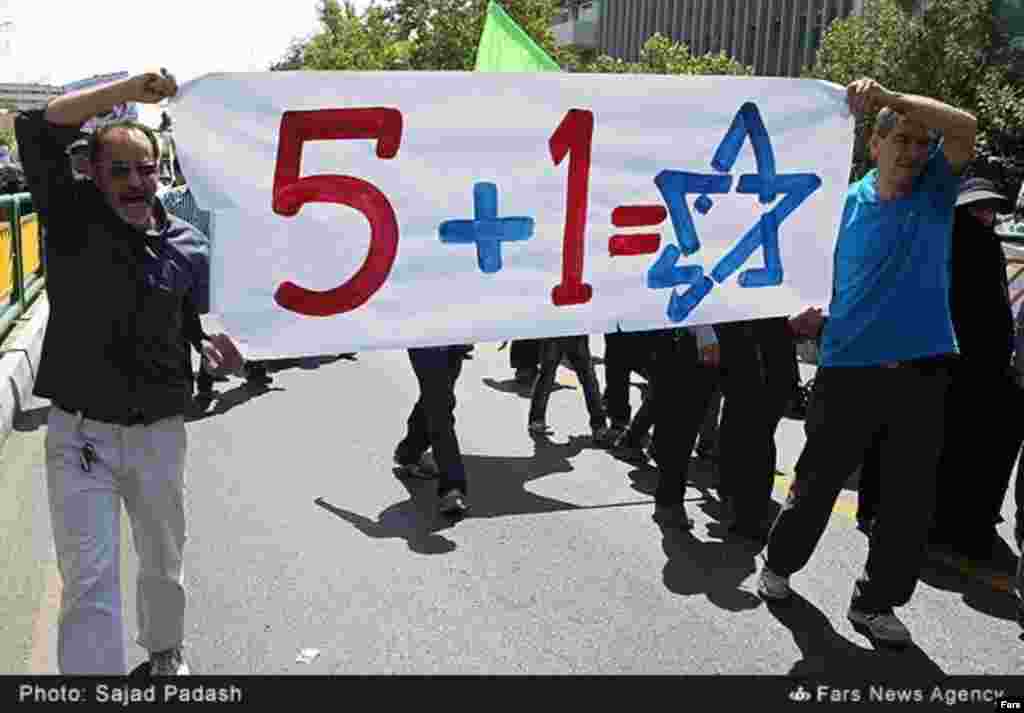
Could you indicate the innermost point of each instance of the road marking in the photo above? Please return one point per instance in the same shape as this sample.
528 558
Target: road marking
846 504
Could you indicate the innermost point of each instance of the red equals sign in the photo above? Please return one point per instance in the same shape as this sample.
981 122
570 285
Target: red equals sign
632 216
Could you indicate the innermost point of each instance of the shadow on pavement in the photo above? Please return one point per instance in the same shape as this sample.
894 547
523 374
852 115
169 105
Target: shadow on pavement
827 653
701 475
415 520
511 386
307 363
497 485
975 582
714 569
227 400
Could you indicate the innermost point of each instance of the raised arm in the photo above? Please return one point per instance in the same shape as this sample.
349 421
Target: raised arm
958 127
75 108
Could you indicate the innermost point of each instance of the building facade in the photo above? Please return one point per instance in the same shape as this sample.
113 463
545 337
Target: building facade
27 96
775 37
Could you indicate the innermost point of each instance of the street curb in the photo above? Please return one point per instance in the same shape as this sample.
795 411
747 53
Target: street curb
19 360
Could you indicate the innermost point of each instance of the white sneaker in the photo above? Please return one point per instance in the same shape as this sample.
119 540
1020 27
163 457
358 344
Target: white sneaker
773 586
884 627
453 504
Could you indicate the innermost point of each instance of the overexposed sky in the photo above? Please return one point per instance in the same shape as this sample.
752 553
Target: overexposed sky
60 41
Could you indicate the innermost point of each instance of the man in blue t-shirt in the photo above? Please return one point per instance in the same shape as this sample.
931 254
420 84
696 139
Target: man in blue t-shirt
885 355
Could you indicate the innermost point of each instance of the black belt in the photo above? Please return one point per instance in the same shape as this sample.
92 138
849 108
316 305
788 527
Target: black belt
132 417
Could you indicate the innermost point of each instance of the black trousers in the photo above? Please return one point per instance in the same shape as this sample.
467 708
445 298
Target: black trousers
869 481
983 438
759 376
525 353
708 440
851 406
432 421
680 394
577 349
624 353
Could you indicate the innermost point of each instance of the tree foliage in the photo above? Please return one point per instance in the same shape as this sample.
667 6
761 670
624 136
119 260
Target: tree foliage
349 41
660 55
426 35
443 35
8 139
953 53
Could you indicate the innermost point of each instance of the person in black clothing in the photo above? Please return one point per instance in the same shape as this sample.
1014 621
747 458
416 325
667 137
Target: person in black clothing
982 435
431 425
115 365
524 356
683 372
624 353
577 350
759 376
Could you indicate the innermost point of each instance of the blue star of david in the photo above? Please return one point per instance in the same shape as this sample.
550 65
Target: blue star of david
486 229
766 183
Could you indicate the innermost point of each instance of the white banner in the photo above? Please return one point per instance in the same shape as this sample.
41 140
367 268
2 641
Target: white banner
509 205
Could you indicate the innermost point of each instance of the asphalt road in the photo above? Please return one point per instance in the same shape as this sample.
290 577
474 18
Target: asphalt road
301 537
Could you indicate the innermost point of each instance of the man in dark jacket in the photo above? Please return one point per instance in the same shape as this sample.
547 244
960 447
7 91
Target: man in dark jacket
116 366
981 436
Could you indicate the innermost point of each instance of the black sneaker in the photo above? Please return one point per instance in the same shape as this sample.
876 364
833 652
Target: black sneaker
884 627
256 373
629 451
453 504
603 437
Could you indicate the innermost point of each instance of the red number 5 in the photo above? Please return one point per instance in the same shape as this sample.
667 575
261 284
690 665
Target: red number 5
292 192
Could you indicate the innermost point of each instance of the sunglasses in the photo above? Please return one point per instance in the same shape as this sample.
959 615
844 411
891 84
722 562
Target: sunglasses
122 169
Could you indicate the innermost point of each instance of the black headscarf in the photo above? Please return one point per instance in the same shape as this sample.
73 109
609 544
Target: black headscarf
979 294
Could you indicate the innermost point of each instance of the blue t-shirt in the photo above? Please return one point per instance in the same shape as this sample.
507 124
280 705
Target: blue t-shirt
890 299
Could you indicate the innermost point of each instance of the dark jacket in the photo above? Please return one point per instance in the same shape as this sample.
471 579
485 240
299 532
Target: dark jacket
979 301
120 325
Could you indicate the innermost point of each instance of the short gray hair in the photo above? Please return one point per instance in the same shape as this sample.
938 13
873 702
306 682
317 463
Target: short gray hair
887 120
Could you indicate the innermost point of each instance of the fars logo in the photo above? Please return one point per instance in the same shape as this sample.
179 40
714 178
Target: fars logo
800 695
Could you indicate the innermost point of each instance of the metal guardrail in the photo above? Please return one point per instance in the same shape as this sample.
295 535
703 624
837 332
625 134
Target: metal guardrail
25 258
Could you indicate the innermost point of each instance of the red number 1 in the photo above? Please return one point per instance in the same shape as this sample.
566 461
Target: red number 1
292 192
575 134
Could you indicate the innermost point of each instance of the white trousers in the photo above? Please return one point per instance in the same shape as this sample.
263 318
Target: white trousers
145 467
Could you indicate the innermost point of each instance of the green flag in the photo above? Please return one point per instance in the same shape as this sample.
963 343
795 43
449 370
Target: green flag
505 47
